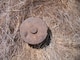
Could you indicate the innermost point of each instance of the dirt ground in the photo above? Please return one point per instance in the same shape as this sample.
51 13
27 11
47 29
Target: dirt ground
61 16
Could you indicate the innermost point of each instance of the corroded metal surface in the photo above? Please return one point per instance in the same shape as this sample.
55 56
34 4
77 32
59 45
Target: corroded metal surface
33 30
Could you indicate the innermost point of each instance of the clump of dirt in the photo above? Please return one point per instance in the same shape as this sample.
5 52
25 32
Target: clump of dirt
62 18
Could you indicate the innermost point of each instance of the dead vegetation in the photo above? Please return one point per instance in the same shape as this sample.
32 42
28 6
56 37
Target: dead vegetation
62 17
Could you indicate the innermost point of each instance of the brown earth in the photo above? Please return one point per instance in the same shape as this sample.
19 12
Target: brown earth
61 16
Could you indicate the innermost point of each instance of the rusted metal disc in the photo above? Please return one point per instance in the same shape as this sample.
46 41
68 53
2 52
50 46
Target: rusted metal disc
33 30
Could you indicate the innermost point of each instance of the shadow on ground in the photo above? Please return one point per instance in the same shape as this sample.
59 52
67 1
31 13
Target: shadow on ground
45 43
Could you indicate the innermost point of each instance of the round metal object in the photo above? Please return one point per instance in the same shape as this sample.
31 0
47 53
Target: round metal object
33 30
